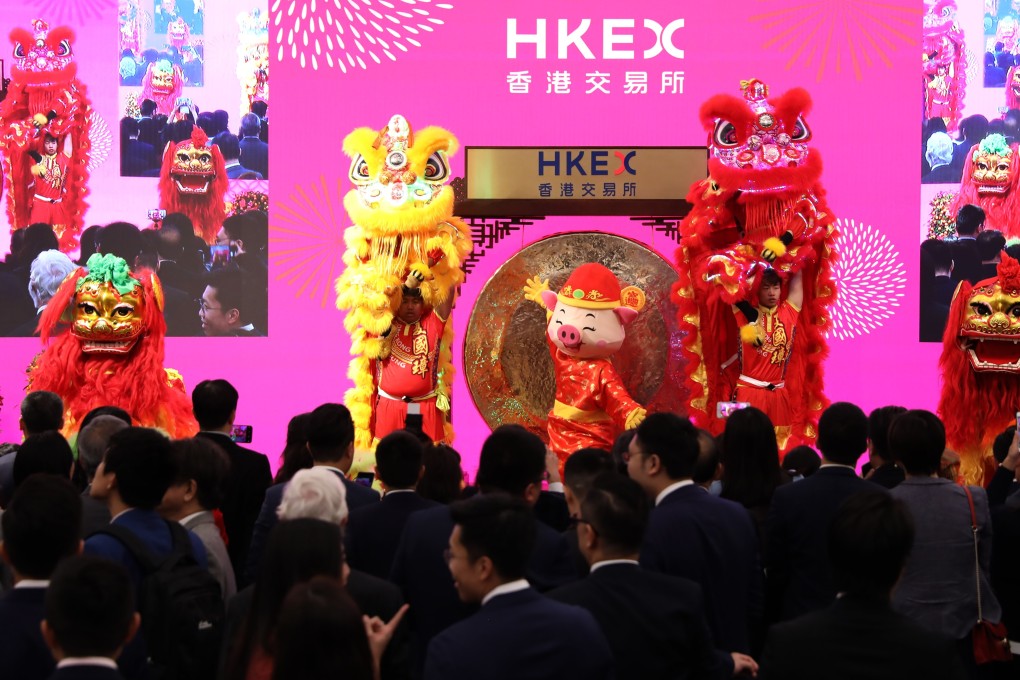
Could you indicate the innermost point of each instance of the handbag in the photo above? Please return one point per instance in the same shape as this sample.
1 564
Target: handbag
991 642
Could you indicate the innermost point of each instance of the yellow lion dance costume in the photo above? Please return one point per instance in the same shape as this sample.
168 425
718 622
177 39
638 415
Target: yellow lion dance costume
402 211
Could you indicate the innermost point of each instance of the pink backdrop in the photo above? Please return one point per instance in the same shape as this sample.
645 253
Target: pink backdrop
860 61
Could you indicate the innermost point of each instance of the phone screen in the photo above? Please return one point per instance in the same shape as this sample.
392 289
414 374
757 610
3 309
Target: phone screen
241 434
365 479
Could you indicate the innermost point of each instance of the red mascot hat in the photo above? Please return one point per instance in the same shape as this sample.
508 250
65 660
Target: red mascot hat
594 286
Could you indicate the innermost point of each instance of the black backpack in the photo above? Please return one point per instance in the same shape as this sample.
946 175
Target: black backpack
181 606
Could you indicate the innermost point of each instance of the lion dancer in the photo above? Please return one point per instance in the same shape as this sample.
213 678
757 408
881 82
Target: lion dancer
944 63
193 180
113 353
980 366
989 181
761 206
403 226
45 98
407 370
50 172
767 335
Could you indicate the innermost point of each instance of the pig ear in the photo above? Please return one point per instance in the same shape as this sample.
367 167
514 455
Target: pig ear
625 314
549 298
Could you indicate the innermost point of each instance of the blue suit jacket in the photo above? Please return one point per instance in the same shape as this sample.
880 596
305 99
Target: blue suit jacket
152 529
374 530
357 496
421 571
155 534
800 578
712 542
255 155
521 635
23 653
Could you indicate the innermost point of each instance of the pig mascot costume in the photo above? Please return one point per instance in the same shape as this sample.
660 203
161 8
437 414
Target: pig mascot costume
586 326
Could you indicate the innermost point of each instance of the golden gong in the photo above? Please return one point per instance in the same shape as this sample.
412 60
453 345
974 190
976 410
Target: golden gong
506 356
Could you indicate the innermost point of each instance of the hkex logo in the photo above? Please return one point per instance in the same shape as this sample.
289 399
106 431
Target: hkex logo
593 162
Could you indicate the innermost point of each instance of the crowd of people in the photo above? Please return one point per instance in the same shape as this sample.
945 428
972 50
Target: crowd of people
203 294
943 158
144 138
677 554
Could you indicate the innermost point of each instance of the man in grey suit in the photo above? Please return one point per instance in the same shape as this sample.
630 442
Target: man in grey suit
191 498
938 589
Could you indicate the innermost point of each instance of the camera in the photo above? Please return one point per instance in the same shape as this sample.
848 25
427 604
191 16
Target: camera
157 214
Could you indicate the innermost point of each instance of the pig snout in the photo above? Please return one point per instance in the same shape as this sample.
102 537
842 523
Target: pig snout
569 336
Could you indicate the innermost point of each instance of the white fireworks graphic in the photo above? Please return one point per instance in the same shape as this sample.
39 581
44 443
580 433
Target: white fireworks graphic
102 141
73 12
871 280
350 34
306 244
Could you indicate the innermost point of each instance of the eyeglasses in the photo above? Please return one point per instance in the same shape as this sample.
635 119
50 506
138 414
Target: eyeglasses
203 306
574 521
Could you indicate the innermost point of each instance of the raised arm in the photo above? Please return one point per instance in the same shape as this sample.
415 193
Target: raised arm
796 295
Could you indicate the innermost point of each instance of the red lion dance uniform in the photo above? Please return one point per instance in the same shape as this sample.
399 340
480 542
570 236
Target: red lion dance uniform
981 367
45 97
193 181
989 182
944 63
761 205
402 210
113 353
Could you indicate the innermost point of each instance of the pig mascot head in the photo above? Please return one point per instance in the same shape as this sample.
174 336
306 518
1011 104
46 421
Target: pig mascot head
588 315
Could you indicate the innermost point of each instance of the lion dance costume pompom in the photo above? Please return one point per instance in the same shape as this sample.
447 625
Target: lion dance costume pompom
113 353
990 182
403 225
761 206
46 99
944 63
193 181
980 366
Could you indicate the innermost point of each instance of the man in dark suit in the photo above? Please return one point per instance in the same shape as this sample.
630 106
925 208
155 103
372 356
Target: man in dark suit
797 564
135 473
884 470
90 617
937 289
331 444
696 535
518 633
135 157
93 440
374 530
859 635
512 462
41 411
970 220
579 471
655 623
215 405
254 152
44 506
231 150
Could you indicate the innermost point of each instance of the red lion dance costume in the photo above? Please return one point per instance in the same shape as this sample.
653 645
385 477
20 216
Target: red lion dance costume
944 63
403 219
113 353
193 181
163 83
990 182
45 98
981 367
1013 88
761 204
